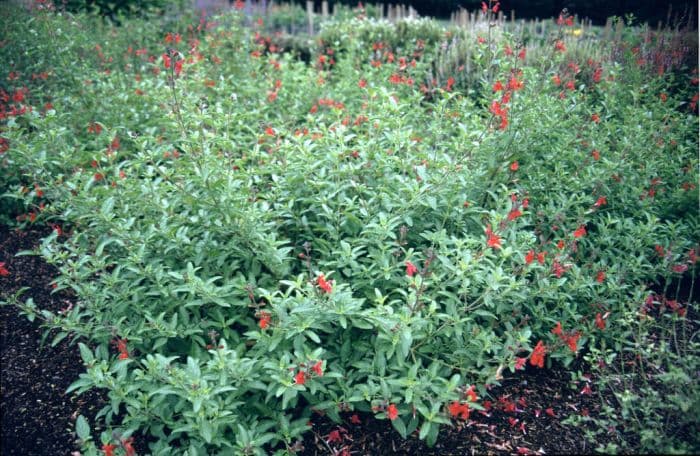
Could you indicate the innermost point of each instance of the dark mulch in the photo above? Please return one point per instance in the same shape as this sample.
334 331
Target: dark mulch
518 420
38 417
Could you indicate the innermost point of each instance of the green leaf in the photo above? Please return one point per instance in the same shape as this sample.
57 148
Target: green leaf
400 426
424 430
86 353
82 428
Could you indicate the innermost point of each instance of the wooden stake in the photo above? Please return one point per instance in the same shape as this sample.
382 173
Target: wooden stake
310 15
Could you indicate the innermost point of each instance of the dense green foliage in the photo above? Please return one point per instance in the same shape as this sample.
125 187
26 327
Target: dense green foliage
251 236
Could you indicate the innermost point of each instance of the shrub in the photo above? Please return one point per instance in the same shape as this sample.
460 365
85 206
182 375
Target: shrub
253 238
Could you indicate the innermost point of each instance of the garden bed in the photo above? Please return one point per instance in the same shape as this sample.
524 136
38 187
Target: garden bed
38 416
394 238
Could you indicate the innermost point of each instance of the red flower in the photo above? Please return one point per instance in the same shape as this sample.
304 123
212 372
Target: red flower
557 329
595 118
601 201
108 449
492 240
537 355
323 284
550 411
170 37
3 271
392 412
572 342
600 321
587 390
556 80
128 447
265 318
166 61
596 155
334 436
239 4
411 269
497 86
514 83
515 213
597 74
522 53
504 123
4 145
300 378
580 231
471 394
529 257
520 363
178 67
122 348
115 144
497 110
318 368
600 277
354 419
457 409
540 257
680 268
557 269
269 131
514 166
559 46
362 83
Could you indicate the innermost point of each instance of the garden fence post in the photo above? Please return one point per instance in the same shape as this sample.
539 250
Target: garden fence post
618 30
310 15
324 9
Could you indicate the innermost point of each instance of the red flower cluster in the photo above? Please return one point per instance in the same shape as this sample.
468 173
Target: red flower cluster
580 231
458 409
411 269
323 284
571 339
565 19
392 412
173 38
3 270
265 318
108 449
530 256
168 62
494 8
305 374
537 355
600 320
492 239
121 347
